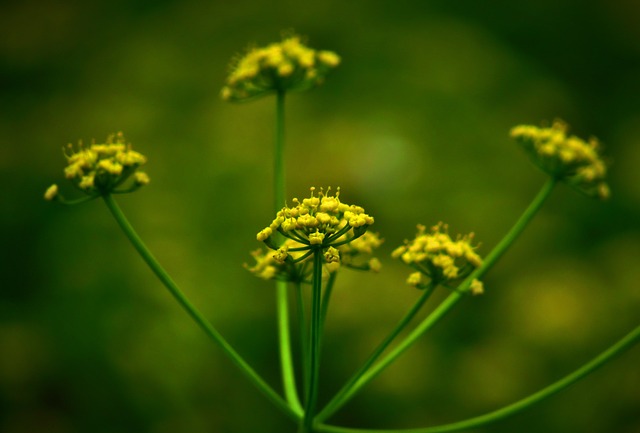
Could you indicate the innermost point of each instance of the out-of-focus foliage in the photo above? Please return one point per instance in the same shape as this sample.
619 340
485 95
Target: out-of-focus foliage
413 124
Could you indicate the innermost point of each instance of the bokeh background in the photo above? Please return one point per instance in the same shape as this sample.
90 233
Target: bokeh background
413 126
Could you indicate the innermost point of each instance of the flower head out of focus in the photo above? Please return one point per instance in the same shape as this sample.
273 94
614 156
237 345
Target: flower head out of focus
439 259
565 157
103 168
288 65
317 223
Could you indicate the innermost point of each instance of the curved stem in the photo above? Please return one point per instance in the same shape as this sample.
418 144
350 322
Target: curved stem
345 392
193 312
618 348
453 298
314 341
60 199
286 359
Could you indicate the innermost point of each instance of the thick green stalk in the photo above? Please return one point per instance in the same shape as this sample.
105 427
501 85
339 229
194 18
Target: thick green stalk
314 342
282 306
337 400
286 358
304 336
278 161
450 301
193 312
618 348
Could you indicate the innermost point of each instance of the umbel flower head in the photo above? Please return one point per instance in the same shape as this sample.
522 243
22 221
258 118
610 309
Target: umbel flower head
279 67
102 168
565 157
437 257
288 264
319 222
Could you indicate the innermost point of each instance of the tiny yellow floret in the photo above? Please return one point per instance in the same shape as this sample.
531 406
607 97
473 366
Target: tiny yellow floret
264 234
375 265
476 287
141 178
316 238
51 192
329 58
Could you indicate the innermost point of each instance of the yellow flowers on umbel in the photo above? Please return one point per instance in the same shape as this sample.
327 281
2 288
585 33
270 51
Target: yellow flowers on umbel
438 258
565 157
319 222
285 66
103 168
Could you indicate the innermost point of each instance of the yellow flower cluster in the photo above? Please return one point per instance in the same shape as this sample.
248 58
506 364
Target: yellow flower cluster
275 265
565 157
101 168
319 220
278 67
362 246
436 256
322 222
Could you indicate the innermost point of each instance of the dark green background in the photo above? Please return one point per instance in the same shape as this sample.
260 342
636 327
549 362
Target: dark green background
413 126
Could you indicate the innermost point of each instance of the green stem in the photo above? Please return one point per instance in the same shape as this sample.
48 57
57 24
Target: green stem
314 340
284 336
159 271
278 165
304 335
286 359
618 348
342 396
452 299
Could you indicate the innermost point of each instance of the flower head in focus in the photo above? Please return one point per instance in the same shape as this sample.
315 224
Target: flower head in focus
288 65
102 168
439 259
317 223
565 157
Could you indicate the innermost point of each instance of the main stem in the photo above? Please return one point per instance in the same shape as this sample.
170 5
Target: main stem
284 334
278 162
449 302
314 342
193 312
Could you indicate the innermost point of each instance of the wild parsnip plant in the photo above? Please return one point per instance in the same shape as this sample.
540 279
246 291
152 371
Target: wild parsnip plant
311 241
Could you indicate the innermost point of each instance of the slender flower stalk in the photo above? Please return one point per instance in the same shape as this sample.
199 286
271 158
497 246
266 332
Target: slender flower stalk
314 342
624 344
304 336
282 306
193 312
448 303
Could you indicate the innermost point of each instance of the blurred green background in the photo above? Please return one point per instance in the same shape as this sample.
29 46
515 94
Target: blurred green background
413 126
